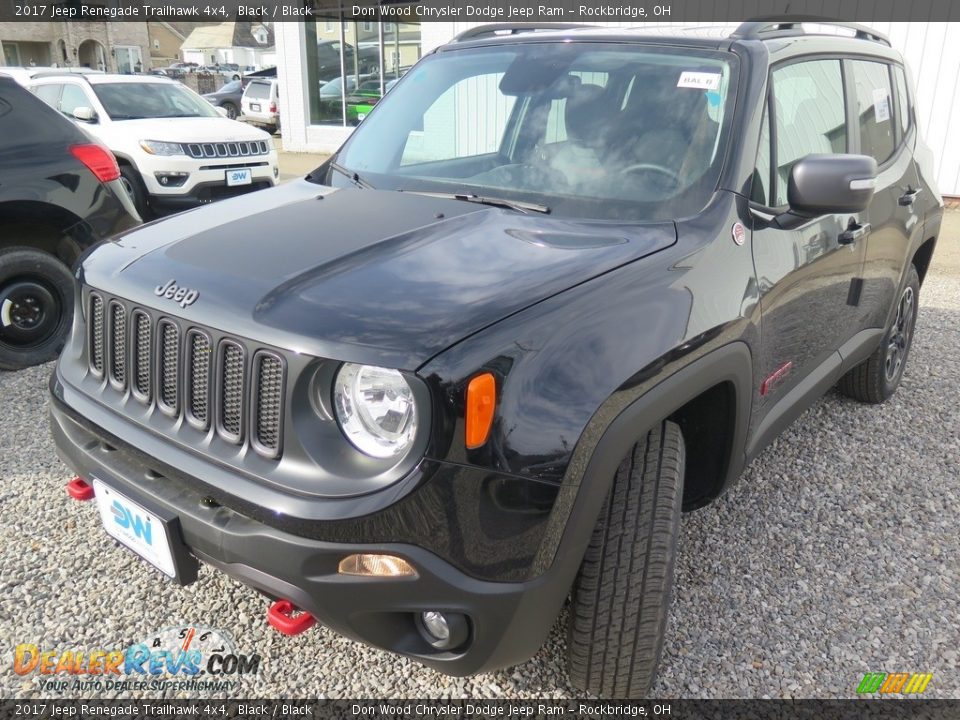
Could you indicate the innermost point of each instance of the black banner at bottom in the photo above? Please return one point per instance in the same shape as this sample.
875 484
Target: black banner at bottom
161 709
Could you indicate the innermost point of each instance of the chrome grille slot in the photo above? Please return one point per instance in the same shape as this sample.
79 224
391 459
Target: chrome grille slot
142 337
168 371
118 345
232 363
96 335
268 402
198 382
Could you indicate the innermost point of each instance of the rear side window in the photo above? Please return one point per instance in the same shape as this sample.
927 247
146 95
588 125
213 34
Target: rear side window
874 108
903 103
258 90
809 116
50 94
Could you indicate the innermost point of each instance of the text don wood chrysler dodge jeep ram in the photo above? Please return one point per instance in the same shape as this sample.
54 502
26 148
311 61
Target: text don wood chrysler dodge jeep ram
556 287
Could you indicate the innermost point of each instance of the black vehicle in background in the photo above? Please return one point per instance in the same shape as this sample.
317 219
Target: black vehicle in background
59 194
228 97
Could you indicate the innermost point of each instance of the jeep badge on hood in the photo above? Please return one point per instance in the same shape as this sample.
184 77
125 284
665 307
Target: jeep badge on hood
182 295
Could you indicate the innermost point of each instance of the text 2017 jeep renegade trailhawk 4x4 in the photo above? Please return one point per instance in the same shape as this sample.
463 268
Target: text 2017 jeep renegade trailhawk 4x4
558 286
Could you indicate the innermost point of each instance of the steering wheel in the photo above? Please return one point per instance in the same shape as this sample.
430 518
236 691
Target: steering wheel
647 167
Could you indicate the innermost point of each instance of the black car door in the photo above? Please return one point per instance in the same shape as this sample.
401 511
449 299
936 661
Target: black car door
885 132
804 274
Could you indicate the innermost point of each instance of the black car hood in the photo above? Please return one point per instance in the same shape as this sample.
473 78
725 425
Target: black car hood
382 277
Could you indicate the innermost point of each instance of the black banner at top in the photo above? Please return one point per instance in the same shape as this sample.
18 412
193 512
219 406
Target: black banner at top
572 11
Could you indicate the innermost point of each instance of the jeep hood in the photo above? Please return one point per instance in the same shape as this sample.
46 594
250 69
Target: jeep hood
187 130
382 277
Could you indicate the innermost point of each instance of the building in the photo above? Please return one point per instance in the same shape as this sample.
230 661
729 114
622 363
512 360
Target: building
165 43
316 120
247 44
122 47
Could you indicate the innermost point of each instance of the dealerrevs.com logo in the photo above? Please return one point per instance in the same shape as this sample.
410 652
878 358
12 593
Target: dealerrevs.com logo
176 658
894 683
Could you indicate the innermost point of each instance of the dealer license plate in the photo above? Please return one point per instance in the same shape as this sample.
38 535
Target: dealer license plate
132 525
239 177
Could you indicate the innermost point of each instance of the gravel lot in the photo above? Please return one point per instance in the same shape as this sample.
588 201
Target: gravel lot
834 556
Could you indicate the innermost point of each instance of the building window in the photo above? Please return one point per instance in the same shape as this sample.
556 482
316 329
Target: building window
345 80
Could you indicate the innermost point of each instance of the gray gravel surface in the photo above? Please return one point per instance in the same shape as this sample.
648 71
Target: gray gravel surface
835 555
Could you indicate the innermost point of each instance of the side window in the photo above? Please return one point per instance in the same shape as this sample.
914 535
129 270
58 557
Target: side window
761 174
809 116
72 98
48 93
456 132
874 108
906 112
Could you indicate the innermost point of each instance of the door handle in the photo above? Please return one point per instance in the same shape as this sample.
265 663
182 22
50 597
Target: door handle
853 233
908 197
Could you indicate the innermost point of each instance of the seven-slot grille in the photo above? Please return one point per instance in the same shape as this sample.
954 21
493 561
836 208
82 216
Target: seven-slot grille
228 149
186 372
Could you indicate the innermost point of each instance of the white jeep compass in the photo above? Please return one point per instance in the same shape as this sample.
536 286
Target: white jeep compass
175 149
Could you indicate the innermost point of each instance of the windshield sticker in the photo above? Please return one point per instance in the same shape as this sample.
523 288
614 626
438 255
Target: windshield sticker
699 80
881 105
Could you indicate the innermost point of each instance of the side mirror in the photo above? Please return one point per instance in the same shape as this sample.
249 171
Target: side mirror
84 114
827 184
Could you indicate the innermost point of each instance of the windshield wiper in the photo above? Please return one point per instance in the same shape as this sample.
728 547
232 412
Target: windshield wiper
353 176
518 205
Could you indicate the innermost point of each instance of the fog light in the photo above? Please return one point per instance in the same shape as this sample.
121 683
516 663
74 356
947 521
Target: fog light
276 171
376 566
443 631
171 179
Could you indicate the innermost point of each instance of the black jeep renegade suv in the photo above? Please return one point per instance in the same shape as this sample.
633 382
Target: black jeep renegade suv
557 287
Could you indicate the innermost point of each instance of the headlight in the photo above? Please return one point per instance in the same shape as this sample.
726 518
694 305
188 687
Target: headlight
376 409
158 147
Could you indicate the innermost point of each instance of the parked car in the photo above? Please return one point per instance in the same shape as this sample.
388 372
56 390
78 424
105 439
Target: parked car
175 150
227 97
361 101
597 273
367 60
260 104
59 195
330 96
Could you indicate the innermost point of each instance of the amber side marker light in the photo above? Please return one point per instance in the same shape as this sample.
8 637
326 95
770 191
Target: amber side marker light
481 402
376 566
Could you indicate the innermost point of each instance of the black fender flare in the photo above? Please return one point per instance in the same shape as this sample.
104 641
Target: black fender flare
581 499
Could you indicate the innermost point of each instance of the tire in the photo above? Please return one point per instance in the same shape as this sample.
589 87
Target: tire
36 307
878 377
621 597
133 183
231 109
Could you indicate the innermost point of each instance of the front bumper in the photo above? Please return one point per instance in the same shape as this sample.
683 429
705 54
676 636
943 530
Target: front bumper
509 621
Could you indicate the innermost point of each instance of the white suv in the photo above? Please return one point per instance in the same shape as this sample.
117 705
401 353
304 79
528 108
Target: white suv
175 149
259 104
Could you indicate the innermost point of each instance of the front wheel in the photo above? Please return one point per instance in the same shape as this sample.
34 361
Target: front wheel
231 110
133 184
621 597
878 377
36 307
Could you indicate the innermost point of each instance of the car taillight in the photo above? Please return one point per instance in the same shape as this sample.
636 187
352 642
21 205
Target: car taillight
98 160
273 107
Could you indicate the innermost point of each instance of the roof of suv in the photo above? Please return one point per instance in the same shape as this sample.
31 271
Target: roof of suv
774 33
101 78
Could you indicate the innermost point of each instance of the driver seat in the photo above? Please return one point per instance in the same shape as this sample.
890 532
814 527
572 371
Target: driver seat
579 157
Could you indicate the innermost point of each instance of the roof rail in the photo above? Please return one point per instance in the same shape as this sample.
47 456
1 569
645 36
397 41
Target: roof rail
493 29
792 26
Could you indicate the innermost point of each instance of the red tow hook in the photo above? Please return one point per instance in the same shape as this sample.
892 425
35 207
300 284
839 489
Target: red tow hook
80 489
284 616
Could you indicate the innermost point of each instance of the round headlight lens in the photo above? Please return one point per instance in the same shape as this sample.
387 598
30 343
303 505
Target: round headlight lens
376 409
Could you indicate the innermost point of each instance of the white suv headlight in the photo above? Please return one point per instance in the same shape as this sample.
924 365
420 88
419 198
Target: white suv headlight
376 410
158 147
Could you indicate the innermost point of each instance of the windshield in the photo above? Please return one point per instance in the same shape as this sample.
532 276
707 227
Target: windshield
598 130
135 101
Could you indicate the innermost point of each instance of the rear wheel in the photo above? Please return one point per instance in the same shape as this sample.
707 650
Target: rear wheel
878 377
36 307
621 597
231 110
